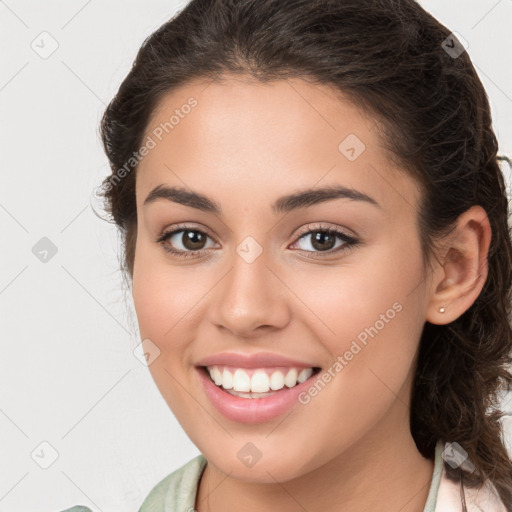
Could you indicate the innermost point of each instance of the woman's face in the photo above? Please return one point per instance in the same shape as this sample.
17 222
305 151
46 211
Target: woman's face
263 275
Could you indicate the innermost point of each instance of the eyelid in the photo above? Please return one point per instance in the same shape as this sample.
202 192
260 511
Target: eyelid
165 233
324 226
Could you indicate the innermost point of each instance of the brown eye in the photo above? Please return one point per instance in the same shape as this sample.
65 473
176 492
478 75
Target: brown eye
184 242
193 240
323 240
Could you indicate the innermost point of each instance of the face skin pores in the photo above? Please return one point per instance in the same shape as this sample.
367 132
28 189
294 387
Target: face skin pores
302 293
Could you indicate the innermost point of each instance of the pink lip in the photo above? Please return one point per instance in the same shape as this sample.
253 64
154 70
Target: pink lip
252 410
257 360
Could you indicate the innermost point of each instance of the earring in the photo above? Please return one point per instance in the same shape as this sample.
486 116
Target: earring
441 310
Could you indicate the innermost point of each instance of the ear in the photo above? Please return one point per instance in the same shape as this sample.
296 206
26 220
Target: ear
461 273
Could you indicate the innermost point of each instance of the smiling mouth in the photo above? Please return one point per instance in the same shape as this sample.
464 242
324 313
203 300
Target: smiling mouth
257 382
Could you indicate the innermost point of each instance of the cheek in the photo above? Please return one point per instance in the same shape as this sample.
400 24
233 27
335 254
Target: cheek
370 289
155 309
169 304
163 296
372 319
161 305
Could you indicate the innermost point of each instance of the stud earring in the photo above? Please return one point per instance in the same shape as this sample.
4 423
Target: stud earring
441 310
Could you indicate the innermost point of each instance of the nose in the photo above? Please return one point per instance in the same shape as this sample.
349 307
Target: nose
251 299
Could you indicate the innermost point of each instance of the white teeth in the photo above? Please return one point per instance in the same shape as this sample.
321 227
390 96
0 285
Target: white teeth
305 374
291 378
277 381
216 375
241 381
227 379
262 380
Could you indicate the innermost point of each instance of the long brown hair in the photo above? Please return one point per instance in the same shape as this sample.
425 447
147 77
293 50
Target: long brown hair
392 59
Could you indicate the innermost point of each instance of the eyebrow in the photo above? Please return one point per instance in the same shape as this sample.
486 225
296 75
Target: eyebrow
284 204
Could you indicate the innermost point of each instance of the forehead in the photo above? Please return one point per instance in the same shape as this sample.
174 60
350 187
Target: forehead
242 134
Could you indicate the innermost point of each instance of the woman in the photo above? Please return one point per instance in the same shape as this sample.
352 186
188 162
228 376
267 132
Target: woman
315 229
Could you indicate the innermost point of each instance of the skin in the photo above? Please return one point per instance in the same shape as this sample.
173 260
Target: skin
244 145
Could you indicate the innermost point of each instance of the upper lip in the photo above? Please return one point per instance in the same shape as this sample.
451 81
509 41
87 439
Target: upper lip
256 360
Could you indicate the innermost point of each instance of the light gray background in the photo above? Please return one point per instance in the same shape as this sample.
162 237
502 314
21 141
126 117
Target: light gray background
68 375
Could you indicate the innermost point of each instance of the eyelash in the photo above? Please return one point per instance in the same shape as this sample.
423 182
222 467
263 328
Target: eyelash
350 242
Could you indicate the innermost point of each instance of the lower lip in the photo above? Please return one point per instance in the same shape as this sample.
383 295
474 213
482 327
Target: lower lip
252 410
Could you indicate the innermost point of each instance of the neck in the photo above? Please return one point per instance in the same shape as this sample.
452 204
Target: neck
370 475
